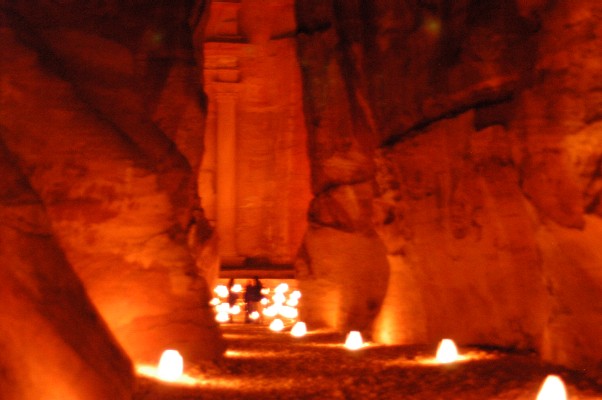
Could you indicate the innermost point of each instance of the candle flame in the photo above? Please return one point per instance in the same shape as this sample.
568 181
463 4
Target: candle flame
552 389
354 340
171 366
447 352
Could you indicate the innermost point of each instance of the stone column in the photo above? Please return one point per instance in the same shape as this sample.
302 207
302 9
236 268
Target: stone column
226 171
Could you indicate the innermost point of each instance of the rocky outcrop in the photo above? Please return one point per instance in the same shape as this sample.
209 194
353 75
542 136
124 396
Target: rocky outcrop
43 356
475 127
95 104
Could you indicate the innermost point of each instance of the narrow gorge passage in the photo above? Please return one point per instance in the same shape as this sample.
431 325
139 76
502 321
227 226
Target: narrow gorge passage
261 364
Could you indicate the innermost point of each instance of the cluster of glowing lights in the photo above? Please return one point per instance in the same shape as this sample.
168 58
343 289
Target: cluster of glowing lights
354 340
223 311
552 389
282 305
447 352
279 303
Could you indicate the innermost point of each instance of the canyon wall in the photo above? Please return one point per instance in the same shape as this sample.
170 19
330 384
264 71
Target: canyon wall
455 153
102 109
43 356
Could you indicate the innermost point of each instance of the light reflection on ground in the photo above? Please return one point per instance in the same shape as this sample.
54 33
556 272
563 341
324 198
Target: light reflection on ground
431 360
151 372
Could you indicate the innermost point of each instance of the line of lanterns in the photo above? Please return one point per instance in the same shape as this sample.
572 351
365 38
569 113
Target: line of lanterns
171 364
281 305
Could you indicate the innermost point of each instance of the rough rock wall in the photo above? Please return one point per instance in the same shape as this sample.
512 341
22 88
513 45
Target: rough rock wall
96 101
467 134
42 355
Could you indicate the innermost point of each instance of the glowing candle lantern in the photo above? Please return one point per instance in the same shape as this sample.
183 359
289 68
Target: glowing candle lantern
295 294
282 288
254 315
270 311
235 309
223 307
215 301
236 288
447 352
171 366
354 340
552 389
292 302
264 301
279 298
221 290
299 329
222 316
277 325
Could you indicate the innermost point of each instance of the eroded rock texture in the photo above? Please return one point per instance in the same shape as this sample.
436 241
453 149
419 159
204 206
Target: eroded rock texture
53 343
101 108
467 136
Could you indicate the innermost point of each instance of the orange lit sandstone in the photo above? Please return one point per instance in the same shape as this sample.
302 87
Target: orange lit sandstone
473 129
452 151
54 344
77 111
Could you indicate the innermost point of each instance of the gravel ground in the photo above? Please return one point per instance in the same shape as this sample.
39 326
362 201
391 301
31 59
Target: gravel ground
261 364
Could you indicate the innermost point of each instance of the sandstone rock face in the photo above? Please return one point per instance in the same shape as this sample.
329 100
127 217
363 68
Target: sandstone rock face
477 128
254 178
43 356
95 104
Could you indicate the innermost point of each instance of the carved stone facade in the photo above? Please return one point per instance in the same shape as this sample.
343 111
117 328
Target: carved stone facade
254 179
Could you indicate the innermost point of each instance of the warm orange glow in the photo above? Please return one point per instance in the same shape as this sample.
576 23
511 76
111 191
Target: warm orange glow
354 340
447 352
236 288
299 329
552 389
171 366
254 315
277 325
235 309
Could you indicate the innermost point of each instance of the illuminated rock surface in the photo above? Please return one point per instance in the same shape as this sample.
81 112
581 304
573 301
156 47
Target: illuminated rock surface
76 111
54 344
467 135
